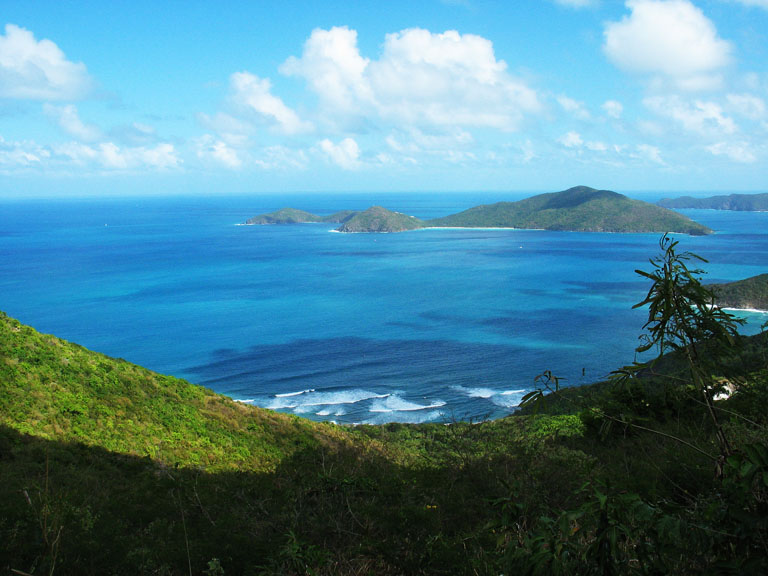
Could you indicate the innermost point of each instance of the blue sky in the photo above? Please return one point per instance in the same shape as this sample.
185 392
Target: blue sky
105 98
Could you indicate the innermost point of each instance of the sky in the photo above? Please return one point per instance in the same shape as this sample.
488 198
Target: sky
186 97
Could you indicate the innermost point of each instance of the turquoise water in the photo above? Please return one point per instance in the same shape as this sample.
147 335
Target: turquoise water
422 326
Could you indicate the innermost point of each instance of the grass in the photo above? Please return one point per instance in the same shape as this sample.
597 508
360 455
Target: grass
108 468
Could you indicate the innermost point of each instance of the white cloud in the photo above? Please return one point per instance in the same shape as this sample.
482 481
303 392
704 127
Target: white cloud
231 130
571 140
163 156
747 105
596 146
282 158
135 134
448 79
254 94
69 120
575 141
736 151
334 69
14 155
649 153
528 152
574 107
209 147
700 117
671 41
420 79
613 108
345 154
32 70
110 156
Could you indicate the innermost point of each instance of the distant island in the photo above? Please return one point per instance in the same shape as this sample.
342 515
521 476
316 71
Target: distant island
378 219
738 202
293 216
751 293
578 209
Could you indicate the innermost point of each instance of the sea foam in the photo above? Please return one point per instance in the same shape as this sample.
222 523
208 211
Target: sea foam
395 403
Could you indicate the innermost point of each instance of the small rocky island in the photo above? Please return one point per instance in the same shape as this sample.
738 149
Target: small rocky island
578 209
737 202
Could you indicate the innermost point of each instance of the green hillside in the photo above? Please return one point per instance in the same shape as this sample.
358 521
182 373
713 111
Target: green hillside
580 208
57 390
284 216
378 219
750 293
294 216
108 468
576 209
738 202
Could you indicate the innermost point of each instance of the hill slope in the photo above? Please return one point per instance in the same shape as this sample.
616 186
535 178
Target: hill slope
738 202
108 468
577 209
294 216
54 389
750 293
378 219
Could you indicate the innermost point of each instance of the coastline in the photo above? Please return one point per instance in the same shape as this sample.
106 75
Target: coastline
752 310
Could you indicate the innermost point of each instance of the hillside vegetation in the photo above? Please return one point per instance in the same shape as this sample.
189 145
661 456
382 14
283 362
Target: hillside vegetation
294 216
581 209
576 209
108 468
378 219
750 293
739 202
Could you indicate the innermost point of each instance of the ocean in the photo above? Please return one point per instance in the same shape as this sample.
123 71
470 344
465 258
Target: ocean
430 325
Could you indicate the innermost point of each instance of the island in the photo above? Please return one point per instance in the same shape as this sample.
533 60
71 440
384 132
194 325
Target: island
748 294
578 209
378 219
293 216
737 202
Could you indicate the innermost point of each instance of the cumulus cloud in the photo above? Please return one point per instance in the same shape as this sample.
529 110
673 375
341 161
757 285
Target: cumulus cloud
701 117
21 154
613 108
574 107
420 79
571 140
648 153
109 156
332 65
345 154
671 41
747 105
254 94
134 134
736 151
38 70
574 141
69 121
209 148
281 158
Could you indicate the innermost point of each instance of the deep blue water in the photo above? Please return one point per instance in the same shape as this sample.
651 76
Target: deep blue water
425 325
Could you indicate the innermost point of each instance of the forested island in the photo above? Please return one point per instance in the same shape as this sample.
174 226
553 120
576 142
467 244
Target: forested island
109 468
738 202
750 293
578 209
